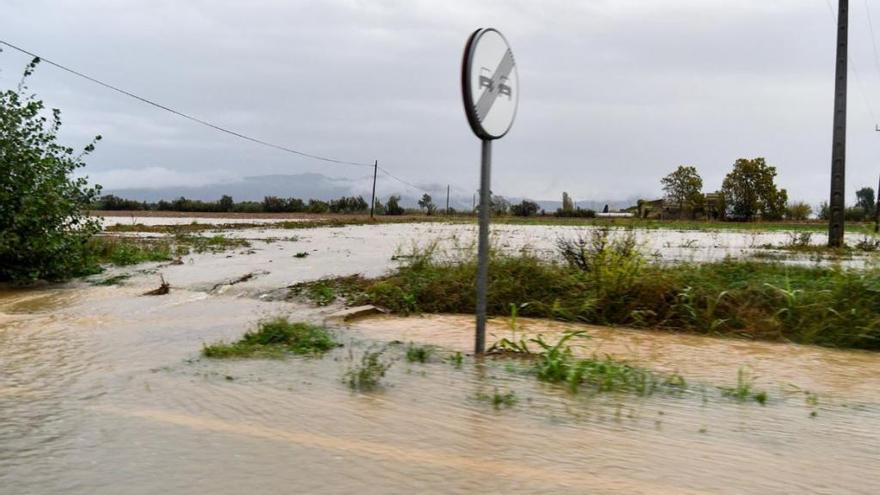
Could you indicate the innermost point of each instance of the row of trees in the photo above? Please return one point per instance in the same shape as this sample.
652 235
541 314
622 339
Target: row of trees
270 204
748 192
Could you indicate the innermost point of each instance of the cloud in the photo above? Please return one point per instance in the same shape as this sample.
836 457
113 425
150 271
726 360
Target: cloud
155 178
615 93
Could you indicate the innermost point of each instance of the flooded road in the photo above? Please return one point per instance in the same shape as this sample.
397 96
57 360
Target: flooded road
103 391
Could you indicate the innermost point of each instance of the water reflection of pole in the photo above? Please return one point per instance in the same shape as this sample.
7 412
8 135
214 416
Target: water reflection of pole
483 249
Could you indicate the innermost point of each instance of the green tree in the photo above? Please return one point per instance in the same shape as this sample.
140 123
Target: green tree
865 199
44 224
567 203
525 208
798 210
226 203
427 203
750 191
683 187
393 206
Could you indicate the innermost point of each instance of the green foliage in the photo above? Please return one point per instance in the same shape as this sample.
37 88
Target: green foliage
567 203
393 207
43 225
556 363
865 200
525 208
367 374
123 251
684 187
750 191
324 292
745 388
498 399
419 353
615 286
426 203
274 338
456 359
798 211
213 244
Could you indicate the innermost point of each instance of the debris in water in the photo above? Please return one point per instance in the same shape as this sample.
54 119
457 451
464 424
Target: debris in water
357 312
243 278
163 289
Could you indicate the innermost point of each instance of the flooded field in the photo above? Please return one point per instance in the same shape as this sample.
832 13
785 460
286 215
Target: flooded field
103 390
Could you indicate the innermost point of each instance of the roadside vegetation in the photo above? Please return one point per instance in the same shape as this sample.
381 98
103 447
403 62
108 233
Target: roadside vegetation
44 231
605 280
274 338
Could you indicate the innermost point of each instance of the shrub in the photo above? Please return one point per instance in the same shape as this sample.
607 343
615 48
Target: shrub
273 338
798 211
369 372
44 228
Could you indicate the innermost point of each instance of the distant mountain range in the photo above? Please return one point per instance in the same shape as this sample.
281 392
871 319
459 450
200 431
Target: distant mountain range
318 186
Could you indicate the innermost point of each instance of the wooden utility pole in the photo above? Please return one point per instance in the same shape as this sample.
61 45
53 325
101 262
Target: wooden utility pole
373 202
838 151
447 199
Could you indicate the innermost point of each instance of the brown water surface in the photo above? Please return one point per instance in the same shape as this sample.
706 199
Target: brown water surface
102 391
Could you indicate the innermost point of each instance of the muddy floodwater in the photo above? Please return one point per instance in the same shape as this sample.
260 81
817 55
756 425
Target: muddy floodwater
103 391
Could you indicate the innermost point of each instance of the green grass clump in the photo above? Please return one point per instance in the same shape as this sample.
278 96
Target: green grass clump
418 353
274 338
367 374
744 389
213 244
125 251
326 291
498 399
606 281
556 363
456 359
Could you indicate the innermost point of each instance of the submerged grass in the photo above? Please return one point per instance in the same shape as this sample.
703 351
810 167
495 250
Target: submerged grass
125 251
499 399
608 282
556 363
419 353
274 338
368 373
745 389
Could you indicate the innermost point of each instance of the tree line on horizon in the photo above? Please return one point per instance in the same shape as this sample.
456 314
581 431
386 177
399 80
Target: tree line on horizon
269 204
748 192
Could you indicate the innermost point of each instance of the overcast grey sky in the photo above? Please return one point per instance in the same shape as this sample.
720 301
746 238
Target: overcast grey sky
615 93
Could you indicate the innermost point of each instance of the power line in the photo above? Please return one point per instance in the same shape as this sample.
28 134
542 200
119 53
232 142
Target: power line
873 36
185 115
398 179
855 72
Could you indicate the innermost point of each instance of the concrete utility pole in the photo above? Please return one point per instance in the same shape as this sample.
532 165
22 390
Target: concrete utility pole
373 202
838 151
